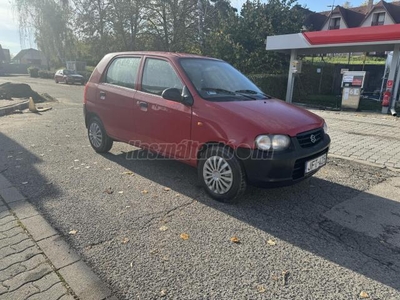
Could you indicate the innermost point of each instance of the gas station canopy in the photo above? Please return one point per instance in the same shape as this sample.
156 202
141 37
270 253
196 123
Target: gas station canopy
360 39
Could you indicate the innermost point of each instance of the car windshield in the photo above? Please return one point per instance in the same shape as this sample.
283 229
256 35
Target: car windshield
69 72
217 80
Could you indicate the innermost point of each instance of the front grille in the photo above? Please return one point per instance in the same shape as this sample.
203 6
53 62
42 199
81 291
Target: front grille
300 165
310 138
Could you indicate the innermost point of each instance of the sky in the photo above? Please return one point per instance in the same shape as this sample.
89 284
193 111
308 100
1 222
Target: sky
9 28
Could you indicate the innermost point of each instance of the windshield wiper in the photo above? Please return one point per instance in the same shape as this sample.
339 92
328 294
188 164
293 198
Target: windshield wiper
217 90
253 93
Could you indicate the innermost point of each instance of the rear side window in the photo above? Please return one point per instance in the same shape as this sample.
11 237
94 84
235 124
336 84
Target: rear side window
123 72
159 75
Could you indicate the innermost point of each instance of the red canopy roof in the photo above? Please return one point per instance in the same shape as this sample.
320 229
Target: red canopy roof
354 35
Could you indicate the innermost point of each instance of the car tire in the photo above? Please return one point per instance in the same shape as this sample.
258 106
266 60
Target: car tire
222 174
99 140
56 80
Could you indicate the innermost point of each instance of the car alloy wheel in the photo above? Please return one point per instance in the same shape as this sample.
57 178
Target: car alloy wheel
99 140
95 135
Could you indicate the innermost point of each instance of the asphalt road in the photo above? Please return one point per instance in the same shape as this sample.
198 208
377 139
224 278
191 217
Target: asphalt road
131 238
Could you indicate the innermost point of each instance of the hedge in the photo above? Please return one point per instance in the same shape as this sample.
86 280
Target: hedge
46 74
33 72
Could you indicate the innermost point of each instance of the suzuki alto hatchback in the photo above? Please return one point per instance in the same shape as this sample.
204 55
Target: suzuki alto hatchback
205 113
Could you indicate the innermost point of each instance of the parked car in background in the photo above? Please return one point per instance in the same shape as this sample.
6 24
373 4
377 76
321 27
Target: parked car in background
204 112
68 77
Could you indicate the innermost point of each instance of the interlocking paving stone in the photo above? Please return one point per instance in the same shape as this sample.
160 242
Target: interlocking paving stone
16 238
23 245
13 232
11 272
26 277
11 195
54 292
34 261
6 227
47 281
21 294
5 220
18 257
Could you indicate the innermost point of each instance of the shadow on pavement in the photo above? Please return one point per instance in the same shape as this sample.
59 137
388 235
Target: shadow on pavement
294 214
18 165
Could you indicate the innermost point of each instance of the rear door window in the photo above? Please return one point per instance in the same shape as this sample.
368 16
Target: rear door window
159 75
123 72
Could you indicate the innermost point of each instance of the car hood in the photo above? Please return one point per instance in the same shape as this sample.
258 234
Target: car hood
270 116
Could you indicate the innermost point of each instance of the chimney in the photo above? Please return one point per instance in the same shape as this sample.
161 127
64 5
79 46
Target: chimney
370 5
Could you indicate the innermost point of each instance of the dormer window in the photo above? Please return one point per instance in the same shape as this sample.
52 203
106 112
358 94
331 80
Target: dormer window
378 19
334 24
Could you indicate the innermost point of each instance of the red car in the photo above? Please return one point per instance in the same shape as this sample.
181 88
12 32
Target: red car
207 114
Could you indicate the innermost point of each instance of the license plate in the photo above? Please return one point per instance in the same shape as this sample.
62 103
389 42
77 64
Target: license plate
315 163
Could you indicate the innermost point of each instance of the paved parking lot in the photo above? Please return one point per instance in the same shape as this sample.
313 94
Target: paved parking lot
369 137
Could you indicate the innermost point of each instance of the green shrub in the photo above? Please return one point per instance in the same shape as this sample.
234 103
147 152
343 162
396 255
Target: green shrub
46 74
273 85
33 72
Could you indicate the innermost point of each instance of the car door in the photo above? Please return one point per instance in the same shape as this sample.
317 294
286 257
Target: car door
115 97
161 124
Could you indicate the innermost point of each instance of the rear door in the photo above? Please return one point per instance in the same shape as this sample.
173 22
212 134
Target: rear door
115 97
161 123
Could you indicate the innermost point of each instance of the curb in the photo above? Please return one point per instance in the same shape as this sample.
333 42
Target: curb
5 110
363 162
68 265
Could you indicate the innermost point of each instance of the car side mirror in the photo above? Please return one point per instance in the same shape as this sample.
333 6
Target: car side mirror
175 94
172 94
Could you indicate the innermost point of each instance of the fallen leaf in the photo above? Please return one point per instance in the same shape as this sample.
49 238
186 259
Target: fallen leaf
285 275
128 206
120 192
144 192
127 173
235 240
163 293
261 289
26 182
364 295
125 241
107 169
73 232
271 242
131 264
76 160
167 189
163 228
109 191
184 236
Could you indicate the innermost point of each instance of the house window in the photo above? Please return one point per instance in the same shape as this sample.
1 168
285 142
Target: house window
334 24
378 19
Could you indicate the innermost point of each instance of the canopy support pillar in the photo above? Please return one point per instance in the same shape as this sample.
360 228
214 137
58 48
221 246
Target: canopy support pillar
392 77
290 84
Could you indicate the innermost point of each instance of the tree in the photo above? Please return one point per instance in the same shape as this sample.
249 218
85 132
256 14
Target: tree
50 22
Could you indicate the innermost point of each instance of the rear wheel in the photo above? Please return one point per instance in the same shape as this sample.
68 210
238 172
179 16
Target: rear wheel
99 140
221 174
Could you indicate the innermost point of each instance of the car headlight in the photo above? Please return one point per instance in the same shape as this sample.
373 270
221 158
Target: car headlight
272 142
325 128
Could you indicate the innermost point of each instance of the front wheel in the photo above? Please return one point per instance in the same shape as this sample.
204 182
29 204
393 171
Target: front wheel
221 174
99 140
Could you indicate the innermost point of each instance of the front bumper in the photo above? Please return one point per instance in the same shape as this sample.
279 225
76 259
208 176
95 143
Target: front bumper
274 168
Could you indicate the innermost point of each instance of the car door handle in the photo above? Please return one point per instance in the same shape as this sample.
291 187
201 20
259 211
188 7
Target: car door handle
143 105
102 95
